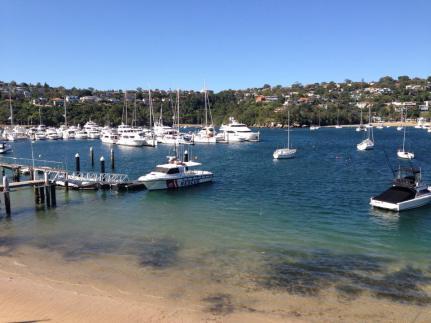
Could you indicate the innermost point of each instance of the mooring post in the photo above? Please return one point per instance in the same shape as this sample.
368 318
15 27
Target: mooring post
92 156
41 194
77 163
3 173
31 174
47 190
66 181
112 159
16 174
6 195
53 196
36 194
102 165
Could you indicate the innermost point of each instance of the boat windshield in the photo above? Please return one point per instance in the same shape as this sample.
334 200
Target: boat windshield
167 170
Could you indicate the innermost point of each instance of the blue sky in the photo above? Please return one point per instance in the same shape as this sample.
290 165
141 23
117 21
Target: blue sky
229 44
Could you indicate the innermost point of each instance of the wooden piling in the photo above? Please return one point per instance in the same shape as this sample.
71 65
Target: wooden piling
36 195
6 195
102 165
77 163
47 190
53 196
41 194
92 156
112 159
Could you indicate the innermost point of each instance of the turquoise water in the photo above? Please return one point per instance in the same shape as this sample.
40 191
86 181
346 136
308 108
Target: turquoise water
299 225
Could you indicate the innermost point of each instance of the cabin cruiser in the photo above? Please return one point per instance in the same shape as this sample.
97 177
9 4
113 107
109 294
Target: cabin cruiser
175 174
109 137
4 147
69 133
407 192
240 129
81 134
206 135
40 135
229 136
51 134
133 139
19 133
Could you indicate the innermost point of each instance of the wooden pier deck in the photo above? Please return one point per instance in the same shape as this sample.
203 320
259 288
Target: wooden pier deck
24 184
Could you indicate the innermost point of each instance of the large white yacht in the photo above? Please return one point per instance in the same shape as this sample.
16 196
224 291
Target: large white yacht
109 137
175 174
240 129
407 192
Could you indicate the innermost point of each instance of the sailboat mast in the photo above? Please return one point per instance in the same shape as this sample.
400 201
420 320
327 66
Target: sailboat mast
288 128
178 110
65 112
11 109
404 136
151 109
206 106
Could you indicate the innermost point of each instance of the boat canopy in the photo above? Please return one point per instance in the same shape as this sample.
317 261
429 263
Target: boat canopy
396 194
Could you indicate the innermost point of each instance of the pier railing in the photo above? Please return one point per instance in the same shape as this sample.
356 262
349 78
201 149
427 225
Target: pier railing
34 163
108 178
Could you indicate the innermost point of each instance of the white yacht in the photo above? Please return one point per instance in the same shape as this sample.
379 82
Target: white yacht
19 133
40 135
206 134
109 137
368 143
69 133
285 153
4 147
407 192
240 129
51 134
229 136
312 128
402 153
175 174
81 134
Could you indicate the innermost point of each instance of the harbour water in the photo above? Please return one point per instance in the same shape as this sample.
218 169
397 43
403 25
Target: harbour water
300 227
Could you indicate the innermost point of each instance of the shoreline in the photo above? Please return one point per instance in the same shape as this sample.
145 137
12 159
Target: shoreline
59 291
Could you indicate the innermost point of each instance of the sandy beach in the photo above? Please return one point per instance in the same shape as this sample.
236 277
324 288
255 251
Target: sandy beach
29 296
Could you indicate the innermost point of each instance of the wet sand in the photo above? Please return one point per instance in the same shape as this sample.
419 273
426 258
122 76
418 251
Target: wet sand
34 288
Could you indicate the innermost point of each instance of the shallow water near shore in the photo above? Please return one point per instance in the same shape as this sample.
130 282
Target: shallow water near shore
300 227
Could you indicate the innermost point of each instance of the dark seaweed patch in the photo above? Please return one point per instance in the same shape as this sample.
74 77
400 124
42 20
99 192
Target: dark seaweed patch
159 253
219 304
349 274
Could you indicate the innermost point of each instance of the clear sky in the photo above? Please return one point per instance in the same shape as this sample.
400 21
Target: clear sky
229 44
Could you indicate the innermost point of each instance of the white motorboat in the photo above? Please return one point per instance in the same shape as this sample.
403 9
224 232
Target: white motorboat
229 136
40 135
240 129
81 134
399 128
4 147
175 174
285 153
312 128
109 137
132 139
51 134
69 133
19 133
407 192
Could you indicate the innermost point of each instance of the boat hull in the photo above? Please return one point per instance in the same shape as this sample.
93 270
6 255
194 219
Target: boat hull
284 153
163 184
402 206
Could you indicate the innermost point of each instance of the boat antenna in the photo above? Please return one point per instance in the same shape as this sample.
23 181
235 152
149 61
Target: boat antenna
389 163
